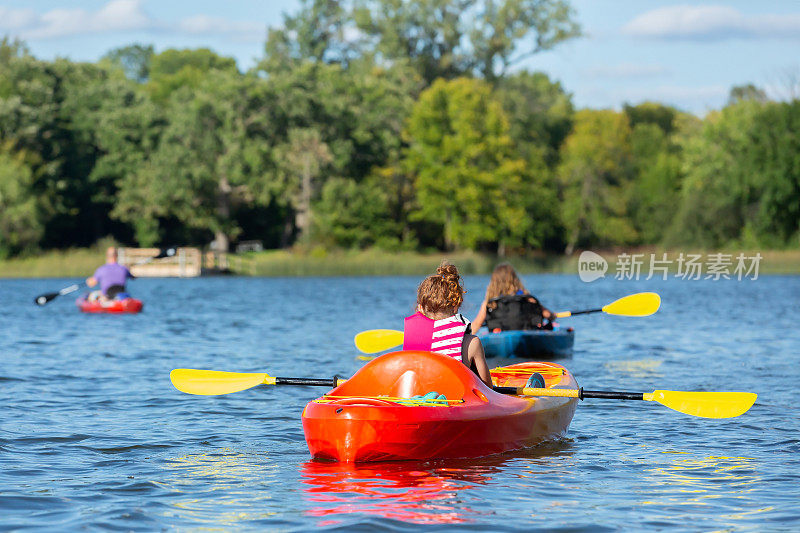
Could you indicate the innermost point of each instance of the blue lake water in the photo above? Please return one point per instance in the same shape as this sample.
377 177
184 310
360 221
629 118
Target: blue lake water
93 435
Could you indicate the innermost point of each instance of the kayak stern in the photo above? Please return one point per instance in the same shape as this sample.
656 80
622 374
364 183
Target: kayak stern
354 424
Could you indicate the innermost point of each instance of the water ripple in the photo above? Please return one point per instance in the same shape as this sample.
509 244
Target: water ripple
93 436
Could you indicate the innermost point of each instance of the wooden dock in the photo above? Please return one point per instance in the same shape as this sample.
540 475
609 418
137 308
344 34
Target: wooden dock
186 263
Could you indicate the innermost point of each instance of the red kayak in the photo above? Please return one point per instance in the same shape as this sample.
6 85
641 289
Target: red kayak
128 305
374 416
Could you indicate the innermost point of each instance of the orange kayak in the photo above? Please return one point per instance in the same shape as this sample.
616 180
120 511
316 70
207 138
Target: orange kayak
374 416
128 305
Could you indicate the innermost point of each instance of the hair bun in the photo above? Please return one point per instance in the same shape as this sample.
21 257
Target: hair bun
442 291
448 272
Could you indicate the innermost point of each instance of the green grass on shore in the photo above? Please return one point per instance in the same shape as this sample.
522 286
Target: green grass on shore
72 263
376 263
379 263
319 262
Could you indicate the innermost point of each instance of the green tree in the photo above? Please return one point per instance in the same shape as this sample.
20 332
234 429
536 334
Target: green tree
42 111
742 180
451 38
209 156
468 178
715 193
654 113
540 117
126 126
740 93
354 215
173 69
774 168
438 38
29 123
317 32
655 190
358 113
656 166
302 161
540 113
21 224
134 60
595 178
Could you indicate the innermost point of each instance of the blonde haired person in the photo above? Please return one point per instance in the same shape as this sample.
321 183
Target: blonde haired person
508 305
437 326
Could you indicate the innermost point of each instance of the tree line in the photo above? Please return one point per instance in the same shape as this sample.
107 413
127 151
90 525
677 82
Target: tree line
380 123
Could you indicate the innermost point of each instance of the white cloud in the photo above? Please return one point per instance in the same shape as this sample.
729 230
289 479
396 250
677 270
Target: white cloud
15 19
114 16
239 30
119 16
627 70
711 22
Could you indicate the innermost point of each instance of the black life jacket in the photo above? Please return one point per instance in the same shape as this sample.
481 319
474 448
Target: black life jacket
514 312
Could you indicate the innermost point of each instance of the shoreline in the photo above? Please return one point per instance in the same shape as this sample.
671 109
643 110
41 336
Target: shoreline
323 263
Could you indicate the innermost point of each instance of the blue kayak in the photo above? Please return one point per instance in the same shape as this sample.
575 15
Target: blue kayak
530 344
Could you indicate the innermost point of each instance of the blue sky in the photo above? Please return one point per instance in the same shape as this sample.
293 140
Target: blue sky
687 54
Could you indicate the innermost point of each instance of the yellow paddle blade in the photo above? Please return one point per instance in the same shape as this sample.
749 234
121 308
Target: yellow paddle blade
211 382
640 304
705 404
378 340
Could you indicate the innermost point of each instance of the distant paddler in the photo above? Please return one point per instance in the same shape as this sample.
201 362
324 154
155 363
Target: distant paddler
111 277
509 306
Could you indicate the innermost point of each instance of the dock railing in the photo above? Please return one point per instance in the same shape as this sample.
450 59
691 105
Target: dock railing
186 263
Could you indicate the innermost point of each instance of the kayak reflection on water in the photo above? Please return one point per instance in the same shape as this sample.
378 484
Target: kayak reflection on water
428 492
405 491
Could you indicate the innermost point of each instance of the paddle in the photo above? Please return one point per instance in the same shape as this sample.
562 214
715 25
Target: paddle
213 382
48 296
377 340
42 299
702 404
639 304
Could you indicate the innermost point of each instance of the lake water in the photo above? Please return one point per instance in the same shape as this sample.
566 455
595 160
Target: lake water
93 435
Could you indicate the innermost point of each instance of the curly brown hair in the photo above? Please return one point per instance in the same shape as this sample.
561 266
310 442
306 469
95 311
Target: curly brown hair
504 281
442 292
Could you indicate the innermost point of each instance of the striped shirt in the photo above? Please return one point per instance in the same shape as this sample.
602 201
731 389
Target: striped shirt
441 336
448 334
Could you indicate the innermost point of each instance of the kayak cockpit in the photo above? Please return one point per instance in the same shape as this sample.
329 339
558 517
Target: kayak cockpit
400 375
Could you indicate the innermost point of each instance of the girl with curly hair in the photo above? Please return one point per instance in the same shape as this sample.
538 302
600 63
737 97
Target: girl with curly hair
437 326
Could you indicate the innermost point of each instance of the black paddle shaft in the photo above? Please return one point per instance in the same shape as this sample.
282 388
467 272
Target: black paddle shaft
333 382
609 395
586 312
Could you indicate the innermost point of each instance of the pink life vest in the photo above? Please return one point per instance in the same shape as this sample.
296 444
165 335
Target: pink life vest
441 336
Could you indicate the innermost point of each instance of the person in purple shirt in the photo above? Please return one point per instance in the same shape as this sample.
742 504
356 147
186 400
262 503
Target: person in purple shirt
111 277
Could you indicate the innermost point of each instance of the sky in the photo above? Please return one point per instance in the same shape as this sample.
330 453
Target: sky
686 54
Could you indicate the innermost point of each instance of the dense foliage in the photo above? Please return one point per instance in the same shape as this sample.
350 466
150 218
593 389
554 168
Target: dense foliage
401 125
